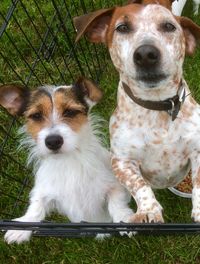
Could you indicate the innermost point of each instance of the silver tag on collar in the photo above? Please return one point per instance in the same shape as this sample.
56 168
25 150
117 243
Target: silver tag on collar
181 94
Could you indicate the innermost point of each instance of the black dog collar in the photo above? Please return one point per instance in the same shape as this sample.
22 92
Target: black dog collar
171 105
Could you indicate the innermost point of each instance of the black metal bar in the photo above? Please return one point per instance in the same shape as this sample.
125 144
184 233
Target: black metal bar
91 229
8 17
15 179
68 38
7 136
80 45
10 65
54 36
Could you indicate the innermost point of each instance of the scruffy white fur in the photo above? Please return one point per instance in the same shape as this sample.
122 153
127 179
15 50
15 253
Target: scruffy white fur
77 182
178 5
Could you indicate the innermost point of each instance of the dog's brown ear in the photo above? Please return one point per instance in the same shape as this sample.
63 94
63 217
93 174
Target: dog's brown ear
88 91
93 25
14 98
192 34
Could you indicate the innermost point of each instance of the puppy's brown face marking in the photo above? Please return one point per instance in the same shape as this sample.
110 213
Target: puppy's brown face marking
70 109
50 108
38 112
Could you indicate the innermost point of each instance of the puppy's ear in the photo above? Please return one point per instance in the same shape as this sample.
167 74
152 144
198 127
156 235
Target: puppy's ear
94 25
87 91
192 34
14 98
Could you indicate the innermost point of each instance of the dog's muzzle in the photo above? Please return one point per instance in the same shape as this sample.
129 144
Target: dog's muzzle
54 142
147 59
146 56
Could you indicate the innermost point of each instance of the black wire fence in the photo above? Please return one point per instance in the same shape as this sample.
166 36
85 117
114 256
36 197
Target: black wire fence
37 47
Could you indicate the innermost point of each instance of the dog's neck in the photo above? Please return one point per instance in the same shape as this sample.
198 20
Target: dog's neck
165 90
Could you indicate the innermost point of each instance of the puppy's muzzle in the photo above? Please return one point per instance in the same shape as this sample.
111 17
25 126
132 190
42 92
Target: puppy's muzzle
54 142
146 56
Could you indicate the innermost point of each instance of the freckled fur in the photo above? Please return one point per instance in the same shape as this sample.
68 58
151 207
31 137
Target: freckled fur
142 138
164 150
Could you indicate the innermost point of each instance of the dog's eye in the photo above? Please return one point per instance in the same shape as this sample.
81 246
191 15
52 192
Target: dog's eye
71 112
36 116
123 28
168 27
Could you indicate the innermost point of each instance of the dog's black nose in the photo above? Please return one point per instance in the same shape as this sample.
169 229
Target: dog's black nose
54 142
146 56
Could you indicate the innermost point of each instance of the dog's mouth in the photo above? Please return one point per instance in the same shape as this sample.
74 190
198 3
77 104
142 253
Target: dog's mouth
151 79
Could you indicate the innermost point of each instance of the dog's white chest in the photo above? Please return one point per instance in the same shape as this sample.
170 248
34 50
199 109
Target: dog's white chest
73 191
162 148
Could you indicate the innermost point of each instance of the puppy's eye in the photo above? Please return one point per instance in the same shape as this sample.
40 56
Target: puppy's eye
71 112
36 116
168 27
123 28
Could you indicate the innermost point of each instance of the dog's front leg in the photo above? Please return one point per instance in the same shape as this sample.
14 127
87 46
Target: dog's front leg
36 212
195 161
129 175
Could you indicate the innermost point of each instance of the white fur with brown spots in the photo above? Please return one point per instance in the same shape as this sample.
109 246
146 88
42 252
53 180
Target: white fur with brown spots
148 148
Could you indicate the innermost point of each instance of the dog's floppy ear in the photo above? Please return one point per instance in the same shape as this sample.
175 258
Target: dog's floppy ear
93 25
14 98
192 34
88 91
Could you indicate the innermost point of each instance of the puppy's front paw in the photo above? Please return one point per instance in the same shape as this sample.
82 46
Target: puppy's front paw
17 236
147 217
102 237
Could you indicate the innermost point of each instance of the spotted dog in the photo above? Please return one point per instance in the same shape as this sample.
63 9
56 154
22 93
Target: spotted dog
155 128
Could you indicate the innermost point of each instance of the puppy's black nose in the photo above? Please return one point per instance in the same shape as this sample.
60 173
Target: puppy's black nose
146 56
54 142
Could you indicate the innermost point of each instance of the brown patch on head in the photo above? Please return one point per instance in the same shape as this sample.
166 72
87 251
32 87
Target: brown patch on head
120 15
69 109
38 113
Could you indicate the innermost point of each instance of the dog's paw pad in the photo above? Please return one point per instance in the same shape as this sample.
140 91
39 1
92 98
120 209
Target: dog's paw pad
147 217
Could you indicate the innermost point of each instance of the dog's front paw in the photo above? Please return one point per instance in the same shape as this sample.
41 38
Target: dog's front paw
17 236
147 217
196 216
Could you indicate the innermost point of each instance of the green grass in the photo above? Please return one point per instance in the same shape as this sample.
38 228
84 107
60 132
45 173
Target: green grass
139 249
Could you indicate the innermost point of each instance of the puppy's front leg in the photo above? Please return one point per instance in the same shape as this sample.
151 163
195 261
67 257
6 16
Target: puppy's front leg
35 213
129 175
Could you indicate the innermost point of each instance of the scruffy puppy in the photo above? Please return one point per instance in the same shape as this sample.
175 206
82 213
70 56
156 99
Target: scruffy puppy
155 129
73 172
